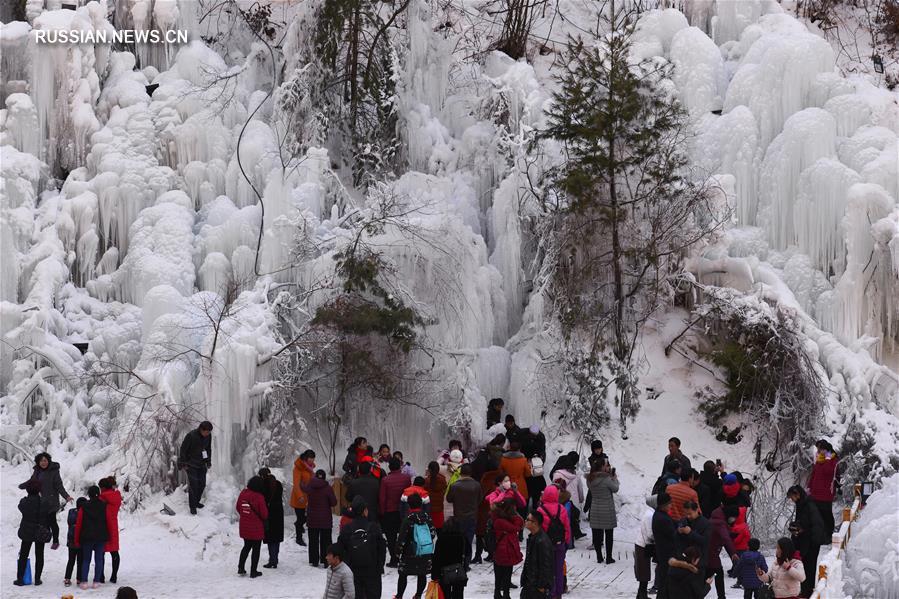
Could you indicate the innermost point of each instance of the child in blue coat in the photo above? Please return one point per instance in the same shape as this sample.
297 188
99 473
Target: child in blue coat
749 561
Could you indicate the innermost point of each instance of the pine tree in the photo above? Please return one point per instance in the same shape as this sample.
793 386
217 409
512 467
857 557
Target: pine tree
624 205
356 82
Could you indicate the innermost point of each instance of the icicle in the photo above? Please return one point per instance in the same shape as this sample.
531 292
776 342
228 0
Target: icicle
819 210
21 128
778 72
15 58
851 111
732 17
698 71
855 308
807 136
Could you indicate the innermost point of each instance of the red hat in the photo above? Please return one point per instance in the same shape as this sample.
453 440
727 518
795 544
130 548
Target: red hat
731 490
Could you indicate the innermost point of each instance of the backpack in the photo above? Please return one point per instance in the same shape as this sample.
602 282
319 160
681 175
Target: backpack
556 530
536 466
490 537
421 537
359 546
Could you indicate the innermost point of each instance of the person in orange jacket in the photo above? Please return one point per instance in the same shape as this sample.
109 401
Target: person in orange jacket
303 470
517 467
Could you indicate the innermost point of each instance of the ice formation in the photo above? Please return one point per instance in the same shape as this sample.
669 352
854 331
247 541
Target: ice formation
125 218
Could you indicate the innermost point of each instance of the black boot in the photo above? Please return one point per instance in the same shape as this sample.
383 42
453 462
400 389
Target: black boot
20 572
641 592
479 547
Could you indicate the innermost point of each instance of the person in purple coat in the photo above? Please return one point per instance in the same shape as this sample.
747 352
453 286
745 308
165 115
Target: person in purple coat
719 538
318 517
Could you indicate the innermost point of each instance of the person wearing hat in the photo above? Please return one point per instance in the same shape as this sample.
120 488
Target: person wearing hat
365 551
734 493
29 532
195 457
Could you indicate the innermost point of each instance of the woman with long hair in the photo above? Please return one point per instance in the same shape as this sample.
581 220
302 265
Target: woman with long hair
110 495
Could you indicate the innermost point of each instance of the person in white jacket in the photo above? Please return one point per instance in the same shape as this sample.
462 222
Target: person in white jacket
572 482
644 549
787 573
339 584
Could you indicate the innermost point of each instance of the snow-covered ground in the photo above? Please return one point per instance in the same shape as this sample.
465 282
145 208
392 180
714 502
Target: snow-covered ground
184 557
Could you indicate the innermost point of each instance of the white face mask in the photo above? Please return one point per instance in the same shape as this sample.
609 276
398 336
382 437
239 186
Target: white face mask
507 485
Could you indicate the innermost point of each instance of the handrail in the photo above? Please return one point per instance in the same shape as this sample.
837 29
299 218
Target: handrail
830 567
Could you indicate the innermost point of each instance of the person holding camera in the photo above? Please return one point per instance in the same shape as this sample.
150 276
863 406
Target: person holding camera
505 489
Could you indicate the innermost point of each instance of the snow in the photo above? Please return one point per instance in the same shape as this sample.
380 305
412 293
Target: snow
875 544
124 217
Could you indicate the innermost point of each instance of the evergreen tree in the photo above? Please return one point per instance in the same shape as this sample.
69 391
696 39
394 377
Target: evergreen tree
625 209
356 82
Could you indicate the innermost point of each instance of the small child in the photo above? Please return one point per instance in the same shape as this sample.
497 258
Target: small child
749 561
74 552
739 532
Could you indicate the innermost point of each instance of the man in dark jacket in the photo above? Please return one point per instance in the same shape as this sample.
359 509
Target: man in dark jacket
513 431
465 495
694 532
808 533
665 535
196 458
674 453
368 488
537 574
710 488
365 551
495 411
392 487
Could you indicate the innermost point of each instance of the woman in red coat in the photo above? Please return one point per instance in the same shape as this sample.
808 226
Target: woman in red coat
506 526
253 514
109 494
822 483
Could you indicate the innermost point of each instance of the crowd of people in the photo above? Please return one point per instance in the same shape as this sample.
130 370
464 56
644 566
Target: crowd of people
93 528
468 509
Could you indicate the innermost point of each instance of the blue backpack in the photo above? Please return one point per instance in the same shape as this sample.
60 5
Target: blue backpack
421 536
